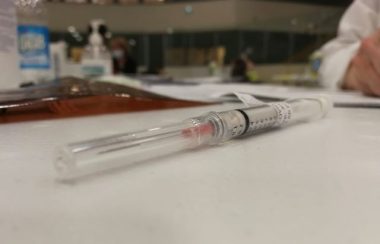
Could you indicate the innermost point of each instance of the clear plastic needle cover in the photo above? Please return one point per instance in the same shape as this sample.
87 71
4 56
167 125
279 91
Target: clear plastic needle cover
88 157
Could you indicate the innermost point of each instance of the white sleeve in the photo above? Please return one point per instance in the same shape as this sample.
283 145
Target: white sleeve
359 21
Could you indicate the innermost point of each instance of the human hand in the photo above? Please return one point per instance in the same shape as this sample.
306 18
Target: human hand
363 73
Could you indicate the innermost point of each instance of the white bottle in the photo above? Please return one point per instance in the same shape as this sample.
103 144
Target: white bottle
96 59
33 40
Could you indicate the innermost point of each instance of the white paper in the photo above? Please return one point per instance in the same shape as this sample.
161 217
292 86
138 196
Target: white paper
248 99
9 62
225 92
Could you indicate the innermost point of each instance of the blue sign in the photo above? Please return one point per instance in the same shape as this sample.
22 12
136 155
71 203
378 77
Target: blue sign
33 46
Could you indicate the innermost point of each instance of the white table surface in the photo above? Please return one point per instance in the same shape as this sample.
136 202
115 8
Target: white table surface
311 183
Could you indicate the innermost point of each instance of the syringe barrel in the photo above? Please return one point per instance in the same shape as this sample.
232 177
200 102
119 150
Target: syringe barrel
87 157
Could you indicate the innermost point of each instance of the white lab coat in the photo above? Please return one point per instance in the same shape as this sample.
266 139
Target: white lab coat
360 20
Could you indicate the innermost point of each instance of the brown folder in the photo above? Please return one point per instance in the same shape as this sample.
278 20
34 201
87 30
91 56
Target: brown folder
72 97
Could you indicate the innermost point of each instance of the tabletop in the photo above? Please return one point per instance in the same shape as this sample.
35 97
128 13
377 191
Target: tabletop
314 182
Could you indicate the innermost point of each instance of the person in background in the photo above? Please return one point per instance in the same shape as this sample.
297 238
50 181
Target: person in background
239 70
123 63
243 69
352 60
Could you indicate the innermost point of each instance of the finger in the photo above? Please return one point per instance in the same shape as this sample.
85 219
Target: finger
359 76
373 81
368 74
372 52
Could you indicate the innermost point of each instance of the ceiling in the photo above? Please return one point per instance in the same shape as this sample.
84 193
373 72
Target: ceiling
322 2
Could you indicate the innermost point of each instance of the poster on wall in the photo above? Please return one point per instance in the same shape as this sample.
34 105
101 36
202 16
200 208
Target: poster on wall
9 62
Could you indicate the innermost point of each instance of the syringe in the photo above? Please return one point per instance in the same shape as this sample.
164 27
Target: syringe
88 157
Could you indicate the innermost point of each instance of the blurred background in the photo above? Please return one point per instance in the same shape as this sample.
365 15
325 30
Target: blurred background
182 37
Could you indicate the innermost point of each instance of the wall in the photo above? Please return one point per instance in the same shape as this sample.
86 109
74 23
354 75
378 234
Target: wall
145 18
280 16
213 15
